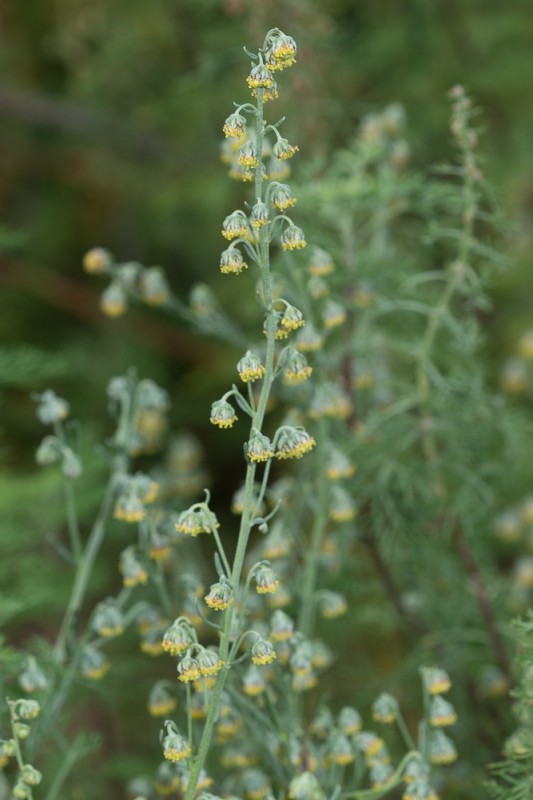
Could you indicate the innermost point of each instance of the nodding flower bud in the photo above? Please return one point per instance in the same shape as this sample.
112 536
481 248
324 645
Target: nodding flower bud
329 400
197 519
51 408
263 652
21 791
259 215
161 702
317 287
278 170
94 664
339 465
332 605
188 669
132 570
129 508
305 786
281 196
49 451
342 506
380 775
250 368
293 238
222 414
32 678
277 543
342 751
419 789
97 260
281 626
154 287
441 748
322 655
30 776
320 263
21 730
26 709
309 339
70 464
108 620
232 262
283 150
270 93
385 709
255 784
247 156
301 661
235 126
178 637
235 226
113 301
281 52
333 314
260 78
259 447
436 680
292 318
253 682
266 581
293 443
175 746
220 595
441 713
349 720
322 722
209 662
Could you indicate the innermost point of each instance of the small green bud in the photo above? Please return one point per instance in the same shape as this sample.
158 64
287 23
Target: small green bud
32 678
27 709
30 776
293 238
97 261
113 301
51 408
222 414
385 709
154 287
49 451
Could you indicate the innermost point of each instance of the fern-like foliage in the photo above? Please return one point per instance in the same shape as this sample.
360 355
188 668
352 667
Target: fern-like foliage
513 777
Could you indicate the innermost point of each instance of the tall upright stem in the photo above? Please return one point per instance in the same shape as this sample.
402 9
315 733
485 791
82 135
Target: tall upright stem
249 501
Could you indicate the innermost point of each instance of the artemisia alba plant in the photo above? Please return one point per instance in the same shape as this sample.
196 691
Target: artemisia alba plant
359 393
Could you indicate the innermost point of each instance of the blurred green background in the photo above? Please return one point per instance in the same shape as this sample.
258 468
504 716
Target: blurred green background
110 123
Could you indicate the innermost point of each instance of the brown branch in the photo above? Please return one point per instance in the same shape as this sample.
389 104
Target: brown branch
391 589
52 112
74 298
482 596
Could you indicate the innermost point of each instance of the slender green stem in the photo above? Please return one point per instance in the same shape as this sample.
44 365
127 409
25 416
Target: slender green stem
70 502
317 532
189 721
404 730
18 751
222 552
85 566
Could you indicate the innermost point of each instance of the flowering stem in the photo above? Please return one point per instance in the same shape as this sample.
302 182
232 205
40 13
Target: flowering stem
248 502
